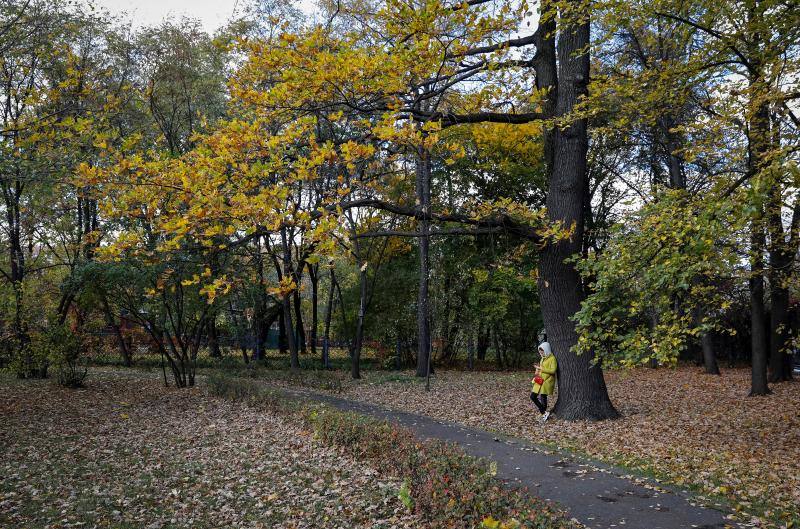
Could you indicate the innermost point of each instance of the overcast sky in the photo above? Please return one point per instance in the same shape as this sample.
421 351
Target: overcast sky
212 13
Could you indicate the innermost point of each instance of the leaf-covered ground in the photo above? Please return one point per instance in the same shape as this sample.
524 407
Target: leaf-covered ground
126 452
687 428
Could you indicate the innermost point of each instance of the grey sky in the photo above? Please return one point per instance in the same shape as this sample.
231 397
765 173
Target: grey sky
212 13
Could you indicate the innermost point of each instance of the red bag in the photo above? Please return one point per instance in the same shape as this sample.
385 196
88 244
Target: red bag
539 380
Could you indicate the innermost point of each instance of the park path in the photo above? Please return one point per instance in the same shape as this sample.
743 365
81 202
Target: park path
597 495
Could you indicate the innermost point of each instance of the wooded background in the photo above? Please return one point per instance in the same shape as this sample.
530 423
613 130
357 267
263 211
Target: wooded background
441 181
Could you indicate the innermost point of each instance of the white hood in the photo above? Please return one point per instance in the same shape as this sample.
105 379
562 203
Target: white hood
545 347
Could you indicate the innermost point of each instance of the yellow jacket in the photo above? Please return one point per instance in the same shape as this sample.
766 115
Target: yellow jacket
549 367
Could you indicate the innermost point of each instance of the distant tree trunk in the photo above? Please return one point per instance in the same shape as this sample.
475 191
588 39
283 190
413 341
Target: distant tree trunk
423 178
483 341
709 358
398 352
124 350
359 338
497 349
282 339
343 313
294 360
470 351
677 176
238 326
300 331
213 337
326 340
260 325
313 274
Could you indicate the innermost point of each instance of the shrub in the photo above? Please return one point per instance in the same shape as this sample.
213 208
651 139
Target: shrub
28 360
63 349
444 485
237 389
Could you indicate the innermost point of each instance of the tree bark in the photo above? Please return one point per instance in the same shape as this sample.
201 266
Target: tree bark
470 351
326 340
123 345
758 319
498 351
582 389
423 302
780 261
483 342
300 331
282 340
355 363
313 274
294 360
213 337
709 358
758 139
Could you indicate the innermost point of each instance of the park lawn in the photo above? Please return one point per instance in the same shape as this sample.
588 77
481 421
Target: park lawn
682 426
127 452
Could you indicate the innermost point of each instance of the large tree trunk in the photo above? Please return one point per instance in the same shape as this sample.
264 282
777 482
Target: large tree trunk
758 145
582 392
779 333
758 319
780 260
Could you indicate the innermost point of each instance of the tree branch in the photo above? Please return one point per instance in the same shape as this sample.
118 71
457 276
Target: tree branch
454 231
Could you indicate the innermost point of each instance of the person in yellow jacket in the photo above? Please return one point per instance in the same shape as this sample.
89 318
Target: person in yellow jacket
547 372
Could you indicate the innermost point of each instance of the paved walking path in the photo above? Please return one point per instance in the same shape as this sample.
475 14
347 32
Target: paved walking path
597 495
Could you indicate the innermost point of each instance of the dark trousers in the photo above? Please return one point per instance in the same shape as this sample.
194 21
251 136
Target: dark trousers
540 401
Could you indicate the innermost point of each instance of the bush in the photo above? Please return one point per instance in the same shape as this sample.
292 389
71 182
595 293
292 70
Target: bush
444 485
28 360
63 348
237 389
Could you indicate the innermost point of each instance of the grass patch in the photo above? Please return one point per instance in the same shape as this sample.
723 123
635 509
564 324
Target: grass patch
315 379
401 378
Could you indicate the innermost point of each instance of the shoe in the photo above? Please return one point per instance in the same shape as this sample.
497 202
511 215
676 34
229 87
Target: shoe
545 416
